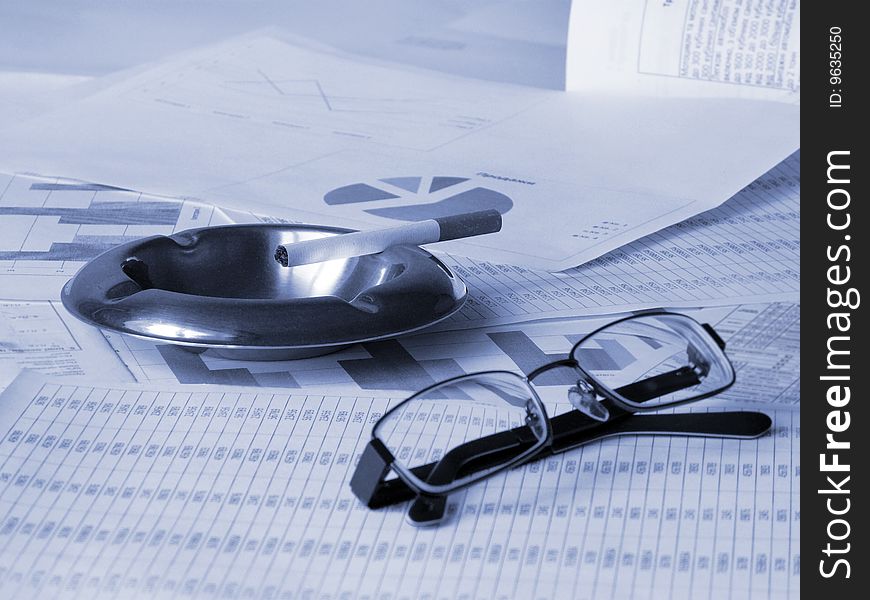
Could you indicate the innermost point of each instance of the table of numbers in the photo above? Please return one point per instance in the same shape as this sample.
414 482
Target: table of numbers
130 491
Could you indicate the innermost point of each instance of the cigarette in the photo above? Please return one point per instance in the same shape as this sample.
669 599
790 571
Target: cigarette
361 243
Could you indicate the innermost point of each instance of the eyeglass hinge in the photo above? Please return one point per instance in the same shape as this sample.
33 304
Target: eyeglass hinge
374 463
719 341
582 396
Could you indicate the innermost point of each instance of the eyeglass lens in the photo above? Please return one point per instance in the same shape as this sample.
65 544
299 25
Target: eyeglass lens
442 424
655 360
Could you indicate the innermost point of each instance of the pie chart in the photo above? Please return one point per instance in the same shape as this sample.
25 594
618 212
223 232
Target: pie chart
419 198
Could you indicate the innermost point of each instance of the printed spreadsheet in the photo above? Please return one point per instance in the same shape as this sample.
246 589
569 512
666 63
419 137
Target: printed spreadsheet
123 491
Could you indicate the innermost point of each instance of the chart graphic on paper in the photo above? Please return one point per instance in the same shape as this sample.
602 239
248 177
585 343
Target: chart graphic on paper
288 88
311 95
49 228
419 198
408 364
763 343
78 233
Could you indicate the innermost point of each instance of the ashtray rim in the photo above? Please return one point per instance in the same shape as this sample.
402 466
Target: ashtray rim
85 307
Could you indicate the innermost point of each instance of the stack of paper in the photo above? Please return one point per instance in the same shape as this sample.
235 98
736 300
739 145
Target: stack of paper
667 177
302 132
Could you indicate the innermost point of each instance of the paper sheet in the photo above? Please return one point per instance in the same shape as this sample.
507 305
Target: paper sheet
747 250
43 337
49 228
689 48
513 41
278 128
763 343
26 94
508 40
113 491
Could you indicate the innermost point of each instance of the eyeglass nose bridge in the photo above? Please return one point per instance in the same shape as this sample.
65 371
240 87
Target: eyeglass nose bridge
697 362
535 420
583 397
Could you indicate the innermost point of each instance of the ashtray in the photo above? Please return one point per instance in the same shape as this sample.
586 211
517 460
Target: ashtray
218 289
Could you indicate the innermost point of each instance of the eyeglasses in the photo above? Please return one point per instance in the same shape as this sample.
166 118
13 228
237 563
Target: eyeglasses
462 430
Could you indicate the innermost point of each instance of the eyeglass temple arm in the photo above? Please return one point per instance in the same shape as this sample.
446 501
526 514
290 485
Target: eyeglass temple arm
474 456
430 510
377 493
713 334
368 484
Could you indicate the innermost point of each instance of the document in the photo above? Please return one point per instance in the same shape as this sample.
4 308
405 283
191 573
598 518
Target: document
50 227
513 41
27 94
510 40
745 251
307 133
172 491
686 48
43 337
763 343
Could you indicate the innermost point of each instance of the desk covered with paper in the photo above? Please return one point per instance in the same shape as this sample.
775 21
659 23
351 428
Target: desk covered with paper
665 177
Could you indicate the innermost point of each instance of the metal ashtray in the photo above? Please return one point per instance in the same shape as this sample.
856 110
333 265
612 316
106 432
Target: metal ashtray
219 289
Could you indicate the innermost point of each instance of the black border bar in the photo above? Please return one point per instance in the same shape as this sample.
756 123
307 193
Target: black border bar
834 225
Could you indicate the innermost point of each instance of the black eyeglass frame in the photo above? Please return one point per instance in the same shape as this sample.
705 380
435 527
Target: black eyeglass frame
423 486
619 399
377 460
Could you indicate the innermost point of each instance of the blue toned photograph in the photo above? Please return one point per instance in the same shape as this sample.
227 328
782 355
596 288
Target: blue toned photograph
400 299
